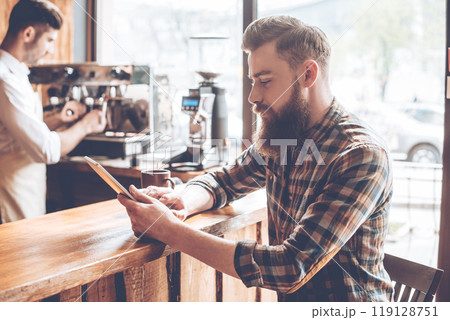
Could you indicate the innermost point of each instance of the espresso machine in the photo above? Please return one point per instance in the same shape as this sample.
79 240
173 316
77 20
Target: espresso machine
208 127
126 95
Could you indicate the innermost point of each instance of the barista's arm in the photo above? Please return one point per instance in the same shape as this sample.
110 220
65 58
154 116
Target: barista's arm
90 123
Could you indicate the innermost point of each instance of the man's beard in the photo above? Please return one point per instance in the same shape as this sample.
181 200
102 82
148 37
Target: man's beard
290 122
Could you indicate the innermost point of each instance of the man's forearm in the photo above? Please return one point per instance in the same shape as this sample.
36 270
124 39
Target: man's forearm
216 252
197 199
71 137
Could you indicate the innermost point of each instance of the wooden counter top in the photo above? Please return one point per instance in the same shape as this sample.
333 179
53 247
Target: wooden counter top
43 256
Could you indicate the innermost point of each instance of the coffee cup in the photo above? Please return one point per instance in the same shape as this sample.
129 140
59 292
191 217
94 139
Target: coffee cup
157 178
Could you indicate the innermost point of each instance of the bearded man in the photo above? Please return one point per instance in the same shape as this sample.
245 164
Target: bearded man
327 210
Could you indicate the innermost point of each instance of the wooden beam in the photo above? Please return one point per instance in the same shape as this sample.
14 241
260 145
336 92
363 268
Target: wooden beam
91 29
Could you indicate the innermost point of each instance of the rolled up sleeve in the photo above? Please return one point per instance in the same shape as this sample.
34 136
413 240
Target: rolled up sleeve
244 263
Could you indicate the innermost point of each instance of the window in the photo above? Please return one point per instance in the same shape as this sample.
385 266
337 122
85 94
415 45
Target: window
170 37
387 59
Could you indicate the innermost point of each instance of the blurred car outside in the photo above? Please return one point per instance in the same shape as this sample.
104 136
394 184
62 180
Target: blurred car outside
413 132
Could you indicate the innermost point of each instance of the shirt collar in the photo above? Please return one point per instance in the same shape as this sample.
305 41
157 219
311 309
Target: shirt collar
333 115
14 65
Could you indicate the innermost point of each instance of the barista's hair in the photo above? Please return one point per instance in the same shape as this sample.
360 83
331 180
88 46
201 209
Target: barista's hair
40 14
295 40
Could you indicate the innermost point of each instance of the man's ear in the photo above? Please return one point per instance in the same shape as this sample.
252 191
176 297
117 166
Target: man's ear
28 34
310 70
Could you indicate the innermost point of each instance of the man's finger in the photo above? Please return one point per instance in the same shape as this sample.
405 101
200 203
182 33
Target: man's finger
156 192
169 198
124 200
140 196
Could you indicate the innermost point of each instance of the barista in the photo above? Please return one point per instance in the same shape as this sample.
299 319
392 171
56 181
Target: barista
27 143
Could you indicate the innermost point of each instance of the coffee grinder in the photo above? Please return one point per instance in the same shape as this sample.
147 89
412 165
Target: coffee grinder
206 106
208 127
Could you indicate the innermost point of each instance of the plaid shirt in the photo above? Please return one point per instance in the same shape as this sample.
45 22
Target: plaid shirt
327 213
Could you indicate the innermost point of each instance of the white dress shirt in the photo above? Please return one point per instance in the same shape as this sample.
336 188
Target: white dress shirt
21 124
26 144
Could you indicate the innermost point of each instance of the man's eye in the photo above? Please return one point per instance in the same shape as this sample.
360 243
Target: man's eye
264 82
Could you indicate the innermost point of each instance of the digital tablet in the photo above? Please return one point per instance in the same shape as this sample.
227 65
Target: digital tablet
108 178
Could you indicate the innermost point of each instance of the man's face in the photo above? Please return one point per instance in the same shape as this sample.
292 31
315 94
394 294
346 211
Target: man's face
42 45
277 97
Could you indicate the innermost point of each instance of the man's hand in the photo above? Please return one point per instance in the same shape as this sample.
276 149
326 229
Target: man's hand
93 122
149 217
72 111
172 199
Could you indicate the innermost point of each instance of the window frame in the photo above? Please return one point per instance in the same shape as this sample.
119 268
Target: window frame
443 293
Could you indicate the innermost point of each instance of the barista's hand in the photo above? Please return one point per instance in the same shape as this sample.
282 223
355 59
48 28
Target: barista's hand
172 199
72 111
149 217
94 122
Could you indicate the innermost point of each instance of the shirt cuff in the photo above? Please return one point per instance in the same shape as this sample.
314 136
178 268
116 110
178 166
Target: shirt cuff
212 186
53 148
245 266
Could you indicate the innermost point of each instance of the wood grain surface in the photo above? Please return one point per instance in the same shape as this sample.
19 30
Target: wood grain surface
44 256
71 295
197 281
233 289
5 10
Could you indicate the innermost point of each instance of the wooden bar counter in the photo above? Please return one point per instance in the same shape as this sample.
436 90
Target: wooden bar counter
91 254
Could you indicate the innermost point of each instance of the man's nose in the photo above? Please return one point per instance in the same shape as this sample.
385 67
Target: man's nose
255 96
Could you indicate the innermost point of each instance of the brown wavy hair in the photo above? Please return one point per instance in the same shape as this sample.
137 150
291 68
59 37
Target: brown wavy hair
295 40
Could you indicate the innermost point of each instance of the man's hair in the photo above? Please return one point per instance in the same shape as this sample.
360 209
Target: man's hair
40 14
295 41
